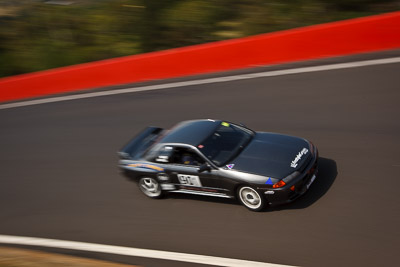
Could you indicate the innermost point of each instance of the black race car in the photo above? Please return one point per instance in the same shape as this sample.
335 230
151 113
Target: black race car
221 159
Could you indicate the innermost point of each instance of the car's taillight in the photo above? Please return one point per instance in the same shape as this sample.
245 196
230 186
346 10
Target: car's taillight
279 184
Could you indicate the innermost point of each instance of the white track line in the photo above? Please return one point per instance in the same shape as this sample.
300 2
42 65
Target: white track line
348 65
136 252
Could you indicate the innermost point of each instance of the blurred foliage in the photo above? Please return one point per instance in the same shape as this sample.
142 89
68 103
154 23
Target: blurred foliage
37 34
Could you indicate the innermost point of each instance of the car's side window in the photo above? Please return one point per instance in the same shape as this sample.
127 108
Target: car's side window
164 154
186 156
175 155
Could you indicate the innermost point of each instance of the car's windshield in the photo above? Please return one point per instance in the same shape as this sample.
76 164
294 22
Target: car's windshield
225 143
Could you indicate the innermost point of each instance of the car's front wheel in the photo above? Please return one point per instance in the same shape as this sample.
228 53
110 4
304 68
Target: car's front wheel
150 187
250 198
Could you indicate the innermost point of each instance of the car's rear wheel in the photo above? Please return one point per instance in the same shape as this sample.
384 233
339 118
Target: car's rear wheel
250 198
150 187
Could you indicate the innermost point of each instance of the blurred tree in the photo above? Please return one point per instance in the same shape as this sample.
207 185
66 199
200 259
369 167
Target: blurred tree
354 5
37 36
189 22
152 26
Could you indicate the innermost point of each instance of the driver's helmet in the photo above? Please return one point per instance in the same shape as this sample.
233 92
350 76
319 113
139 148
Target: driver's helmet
187 159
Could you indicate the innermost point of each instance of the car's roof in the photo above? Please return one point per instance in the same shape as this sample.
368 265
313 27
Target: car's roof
191 132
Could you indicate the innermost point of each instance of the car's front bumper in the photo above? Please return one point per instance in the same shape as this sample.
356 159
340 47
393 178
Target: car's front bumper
295 188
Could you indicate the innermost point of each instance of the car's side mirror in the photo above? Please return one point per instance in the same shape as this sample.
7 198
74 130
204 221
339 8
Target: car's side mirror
204 167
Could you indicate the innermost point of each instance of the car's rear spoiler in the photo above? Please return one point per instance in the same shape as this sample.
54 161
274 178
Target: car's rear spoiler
140 143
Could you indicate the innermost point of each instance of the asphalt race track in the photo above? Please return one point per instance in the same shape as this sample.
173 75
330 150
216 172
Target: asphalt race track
59 178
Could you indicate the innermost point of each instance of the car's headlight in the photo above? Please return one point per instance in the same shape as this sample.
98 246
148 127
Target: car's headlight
286 180
279 184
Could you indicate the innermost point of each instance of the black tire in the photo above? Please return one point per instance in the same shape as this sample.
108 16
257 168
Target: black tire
250 198
150 187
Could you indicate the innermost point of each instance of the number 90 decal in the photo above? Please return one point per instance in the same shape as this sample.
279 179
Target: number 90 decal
191 180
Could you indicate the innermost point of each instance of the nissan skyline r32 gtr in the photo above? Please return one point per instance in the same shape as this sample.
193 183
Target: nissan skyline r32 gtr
220 159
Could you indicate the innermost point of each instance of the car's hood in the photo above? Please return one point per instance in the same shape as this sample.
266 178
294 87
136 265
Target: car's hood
272 155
